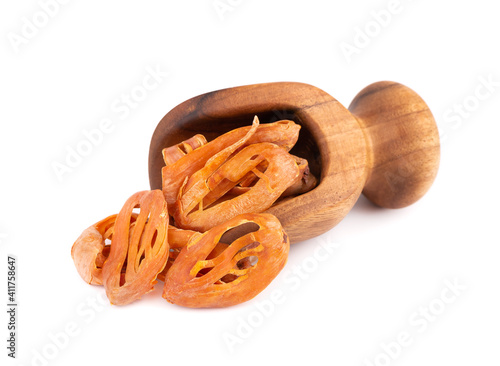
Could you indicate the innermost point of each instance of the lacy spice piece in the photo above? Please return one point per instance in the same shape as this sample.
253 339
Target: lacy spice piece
237 272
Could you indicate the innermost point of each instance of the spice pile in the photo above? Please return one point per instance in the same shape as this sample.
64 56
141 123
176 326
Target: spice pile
205 234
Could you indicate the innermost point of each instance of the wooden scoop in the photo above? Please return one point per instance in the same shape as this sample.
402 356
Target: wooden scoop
385 146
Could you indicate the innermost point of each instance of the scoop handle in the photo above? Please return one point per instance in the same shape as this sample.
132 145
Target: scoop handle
402 139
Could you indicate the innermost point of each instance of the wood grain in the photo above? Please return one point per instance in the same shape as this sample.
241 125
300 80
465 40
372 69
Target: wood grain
403 143
344 151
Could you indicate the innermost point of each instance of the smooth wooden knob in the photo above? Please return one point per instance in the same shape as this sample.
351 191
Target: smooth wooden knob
402 143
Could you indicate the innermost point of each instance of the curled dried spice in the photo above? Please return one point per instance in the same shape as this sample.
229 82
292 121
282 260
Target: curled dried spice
90 251
173 153
236 272
202 203
137 253
305 182
181 163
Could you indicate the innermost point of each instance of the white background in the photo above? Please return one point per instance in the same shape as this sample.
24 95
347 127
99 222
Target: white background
388 264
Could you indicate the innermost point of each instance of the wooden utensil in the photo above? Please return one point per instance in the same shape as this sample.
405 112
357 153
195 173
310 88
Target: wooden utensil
385 146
